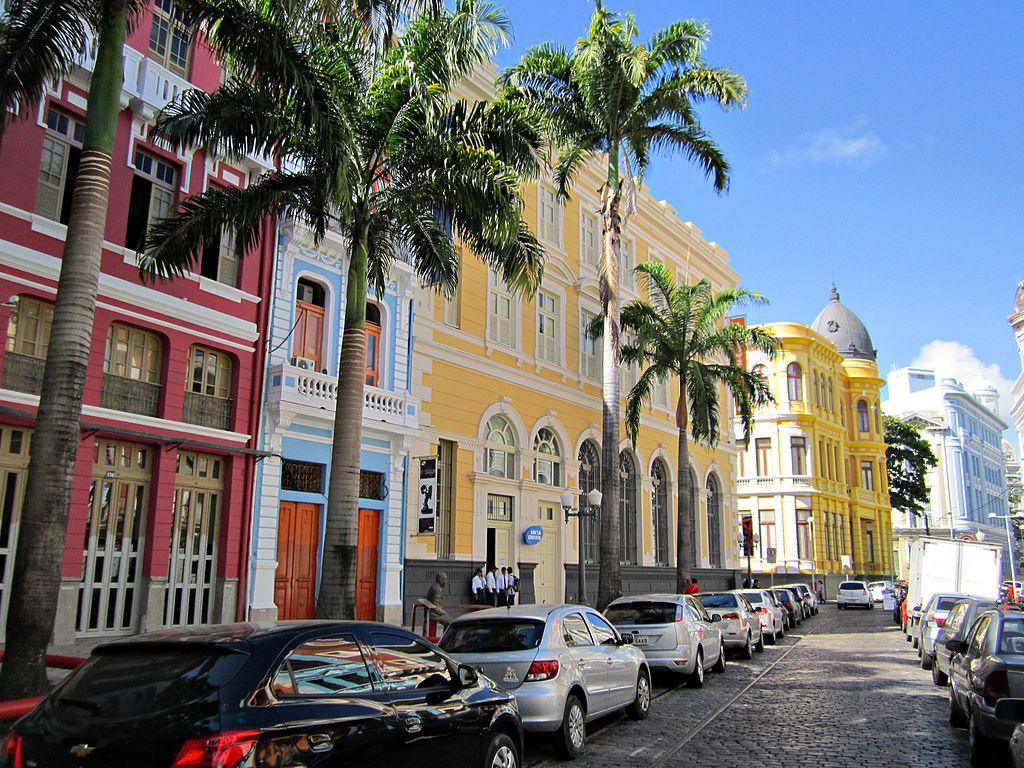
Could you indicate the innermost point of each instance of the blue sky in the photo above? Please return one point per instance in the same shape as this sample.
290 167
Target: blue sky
881 147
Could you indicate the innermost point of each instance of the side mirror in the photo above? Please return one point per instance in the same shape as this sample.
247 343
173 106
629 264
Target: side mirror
956 646
1010 709
468 676
716 617
626 639
916 609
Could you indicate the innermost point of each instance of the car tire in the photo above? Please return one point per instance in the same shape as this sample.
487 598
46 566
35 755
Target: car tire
719 666
571 738
696 678
915 642
773 638
641 706
871 606
983 750
957 718
840 606
759 645
938 676
748 649
502 752
927 661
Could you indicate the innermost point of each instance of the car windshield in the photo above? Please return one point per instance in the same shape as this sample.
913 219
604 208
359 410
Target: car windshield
642 612
783 596
492 636
855 586
945 603
1012 639
719 601
753 597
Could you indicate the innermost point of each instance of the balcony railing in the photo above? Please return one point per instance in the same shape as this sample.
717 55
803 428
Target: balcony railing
207 411
129 395
23 373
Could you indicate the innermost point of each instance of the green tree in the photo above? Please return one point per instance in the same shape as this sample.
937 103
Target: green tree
375 147
908 457
683 330
621 100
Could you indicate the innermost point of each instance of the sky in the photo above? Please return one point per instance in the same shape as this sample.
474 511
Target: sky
881 148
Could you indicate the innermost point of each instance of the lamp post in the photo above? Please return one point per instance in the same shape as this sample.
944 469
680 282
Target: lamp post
1009 539
593 504
747 548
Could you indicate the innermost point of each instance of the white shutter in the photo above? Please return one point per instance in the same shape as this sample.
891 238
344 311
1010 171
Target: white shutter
52 173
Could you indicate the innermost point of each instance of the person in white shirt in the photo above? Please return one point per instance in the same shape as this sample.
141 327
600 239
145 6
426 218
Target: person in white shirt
491 585
510 591
478 587
502 587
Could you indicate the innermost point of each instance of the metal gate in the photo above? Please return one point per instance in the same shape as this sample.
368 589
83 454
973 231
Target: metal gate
14 443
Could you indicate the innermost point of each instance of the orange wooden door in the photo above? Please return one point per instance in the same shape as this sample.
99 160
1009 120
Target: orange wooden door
367 555
298 537
309 332
372 354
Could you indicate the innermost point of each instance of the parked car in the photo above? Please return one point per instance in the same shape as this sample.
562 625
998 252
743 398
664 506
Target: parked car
773 623
808 595
740 624
853 593
675 633
958 623
1012 711
933 618
986 666
879 588
309 693
794 614
565 664
801 600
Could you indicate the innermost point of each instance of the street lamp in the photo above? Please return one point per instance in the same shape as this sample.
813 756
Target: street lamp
747 548
593 504
1009 539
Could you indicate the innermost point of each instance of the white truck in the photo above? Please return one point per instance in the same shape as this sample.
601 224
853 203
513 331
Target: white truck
954 566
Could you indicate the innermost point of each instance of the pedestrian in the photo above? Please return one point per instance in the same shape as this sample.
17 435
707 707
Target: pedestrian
502 582
691 588
478 587
491 586
746 583
756 584
512 587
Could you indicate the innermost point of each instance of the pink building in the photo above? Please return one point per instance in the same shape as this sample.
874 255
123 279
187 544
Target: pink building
162 493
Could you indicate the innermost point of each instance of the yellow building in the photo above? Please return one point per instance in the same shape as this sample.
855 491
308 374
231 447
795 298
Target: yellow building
814 469
511 394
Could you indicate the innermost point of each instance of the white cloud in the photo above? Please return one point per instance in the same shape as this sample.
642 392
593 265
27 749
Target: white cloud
855 143
951 359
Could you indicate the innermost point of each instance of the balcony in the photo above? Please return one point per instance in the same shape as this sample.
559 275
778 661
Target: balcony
129 395
774 483
23 373
207 411
301 390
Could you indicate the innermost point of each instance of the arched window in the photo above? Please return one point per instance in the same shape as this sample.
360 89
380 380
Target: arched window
627 509
863 418
132 369
759 371
547 465
714 522
208 388
310 314
372 344
694 519
590 478
659 512
817 394
831 397
501 448
795 382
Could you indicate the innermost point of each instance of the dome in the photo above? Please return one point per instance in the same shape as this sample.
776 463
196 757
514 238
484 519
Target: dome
837 323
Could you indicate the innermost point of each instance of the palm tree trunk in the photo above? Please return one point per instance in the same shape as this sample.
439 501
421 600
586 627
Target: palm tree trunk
684 514
35 584
609 583
337 596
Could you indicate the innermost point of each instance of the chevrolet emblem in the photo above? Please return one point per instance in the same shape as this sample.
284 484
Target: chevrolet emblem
82 750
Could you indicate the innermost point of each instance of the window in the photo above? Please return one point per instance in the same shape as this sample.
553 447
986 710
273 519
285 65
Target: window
795 382
407 664
867 475
493 636
694 516
29 330
817 394
627 510
550 217
548 321
661 392
759 371
798 455
659 512
501 448
976 640
499 508
863 420
302 476
446 458
450 309
831 397
169 37
547 466
628 374
209 372
869 539
62 152
803 536
714 522
767 528
501 313
829 462
220 259
627 263
591 355
373 329
590 239
152 197
576 632
590 478
763 449
133 353
603 631
323 667
310 315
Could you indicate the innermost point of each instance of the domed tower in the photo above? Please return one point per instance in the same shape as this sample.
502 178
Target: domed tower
838 323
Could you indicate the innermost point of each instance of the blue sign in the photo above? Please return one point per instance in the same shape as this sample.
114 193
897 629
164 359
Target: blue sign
533 535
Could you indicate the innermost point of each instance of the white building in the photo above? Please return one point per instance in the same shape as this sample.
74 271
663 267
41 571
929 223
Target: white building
1017 393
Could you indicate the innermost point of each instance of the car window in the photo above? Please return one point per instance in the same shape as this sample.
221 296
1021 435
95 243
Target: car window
783 597
1011 636
323 667
698 609
603 631
955 617
945 603
754 598
977 639
642 612
492 636
719 601
851 585
406 663
575 631
745 603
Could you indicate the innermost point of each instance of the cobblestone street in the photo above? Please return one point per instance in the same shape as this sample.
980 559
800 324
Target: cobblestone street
844 689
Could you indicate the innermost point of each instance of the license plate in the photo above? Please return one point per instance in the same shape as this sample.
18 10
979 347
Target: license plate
641 639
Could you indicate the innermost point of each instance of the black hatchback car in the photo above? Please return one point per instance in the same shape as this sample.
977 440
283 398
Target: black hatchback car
312 694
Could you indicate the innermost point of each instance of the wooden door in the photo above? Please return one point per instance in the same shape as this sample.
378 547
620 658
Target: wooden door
367 556
546 578
298 538
372 354
309 332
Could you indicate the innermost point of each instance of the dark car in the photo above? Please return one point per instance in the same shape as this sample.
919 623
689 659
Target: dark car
803 603
1012 711
794 613
986 666
314 694
955 626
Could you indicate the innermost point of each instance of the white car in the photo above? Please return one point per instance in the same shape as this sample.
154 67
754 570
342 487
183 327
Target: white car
879 588
853 593
773 618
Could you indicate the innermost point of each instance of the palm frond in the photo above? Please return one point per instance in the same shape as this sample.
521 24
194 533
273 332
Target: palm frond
637 398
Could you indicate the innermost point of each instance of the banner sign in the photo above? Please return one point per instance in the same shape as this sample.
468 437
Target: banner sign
533 535
428 494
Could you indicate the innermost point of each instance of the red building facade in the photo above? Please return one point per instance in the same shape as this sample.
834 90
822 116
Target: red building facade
162 496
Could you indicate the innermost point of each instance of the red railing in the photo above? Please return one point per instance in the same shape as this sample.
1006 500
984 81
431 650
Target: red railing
427 626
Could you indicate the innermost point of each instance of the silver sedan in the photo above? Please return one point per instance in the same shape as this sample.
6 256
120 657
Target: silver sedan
772 615
565 664
741 626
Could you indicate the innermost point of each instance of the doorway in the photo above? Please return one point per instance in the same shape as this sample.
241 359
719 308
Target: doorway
547 581
367 558
298 538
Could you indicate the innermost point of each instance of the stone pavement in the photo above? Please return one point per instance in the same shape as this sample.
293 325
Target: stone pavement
844 689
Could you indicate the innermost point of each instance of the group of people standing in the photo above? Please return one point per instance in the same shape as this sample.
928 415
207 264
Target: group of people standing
496 587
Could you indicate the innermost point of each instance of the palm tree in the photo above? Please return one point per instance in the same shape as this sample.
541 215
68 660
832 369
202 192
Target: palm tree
393 161
40 40
619 99
684 331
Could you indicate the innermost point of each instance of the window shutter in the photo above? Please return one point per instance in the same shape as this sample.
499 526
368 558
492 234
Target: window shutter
52 173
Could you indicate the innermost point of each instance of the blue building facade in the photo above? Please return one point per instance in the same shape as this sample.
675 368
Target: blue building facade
304 347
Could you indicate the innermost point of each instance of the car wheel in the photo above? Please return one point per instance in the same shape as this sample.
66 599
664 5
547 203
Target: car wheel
982 749
773 638
915 642
926 661
938 676
759 645
696 678
748 649
502 752
641 706
720 664
871 606
840 606
956 717
572 736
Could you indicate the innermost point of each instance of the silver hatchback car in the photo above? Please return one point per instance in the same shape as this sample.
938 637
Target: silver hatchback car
565 664
772 615
675 633
741 626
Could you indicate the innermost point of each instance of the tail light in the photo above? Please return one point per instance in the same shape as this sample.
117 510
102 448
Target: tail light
222 750
732 615
11 751
762 610
940 622
679 614
997 686
541 670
